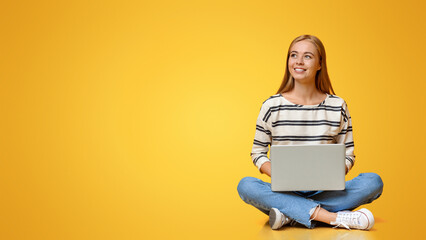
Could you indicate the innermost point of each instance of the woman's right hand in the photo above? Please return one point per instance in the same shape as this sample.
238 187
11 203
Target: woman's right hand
266 168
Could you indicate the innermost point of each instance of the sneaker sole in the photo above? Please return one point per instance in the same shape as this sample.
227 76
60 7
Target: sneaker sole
273 215
369 216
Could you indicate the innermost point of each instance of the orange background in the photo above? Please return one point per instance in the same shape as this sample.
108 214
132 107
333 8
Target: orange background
135 119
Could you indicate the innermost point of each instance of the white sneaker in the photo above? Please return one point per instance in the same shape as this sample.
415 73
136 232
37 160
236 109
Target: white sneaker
277 219
362 219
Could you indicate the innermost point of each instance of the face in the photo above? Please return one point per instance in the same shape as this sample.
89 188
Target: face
303 61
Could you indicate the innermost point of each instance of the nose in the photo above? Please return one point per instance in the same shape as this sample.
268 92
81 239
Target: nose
299 60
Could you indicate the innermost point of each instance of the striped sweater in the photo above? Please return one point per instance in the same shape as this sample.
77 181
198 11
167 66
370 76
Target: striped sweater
281 122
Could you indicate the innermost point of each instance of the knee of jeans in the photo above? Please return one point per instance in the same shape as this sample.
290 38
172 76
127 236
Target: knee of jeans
375 183
245 186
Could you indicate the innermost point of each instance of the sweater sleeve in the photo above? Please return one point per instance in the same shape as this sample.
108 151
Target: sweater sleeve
262 138
345 136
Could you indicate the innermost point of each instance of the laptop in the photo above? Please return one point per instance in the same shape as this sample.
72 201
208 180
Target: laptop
307 167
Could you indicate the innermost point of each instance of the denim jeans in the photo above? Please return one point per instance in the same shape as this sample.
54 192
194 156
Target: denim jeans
300 205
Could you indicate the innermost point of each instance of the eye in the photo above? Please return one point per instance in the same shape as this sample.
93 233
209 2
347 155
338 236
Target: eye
308 56
293 55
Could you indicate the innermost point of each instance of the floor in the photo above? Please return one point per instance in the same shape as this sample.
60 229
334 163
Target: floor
320 232
382 229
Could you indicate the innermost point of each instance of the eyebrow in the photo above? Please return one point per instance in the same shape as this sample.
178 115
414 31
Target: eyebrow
304 52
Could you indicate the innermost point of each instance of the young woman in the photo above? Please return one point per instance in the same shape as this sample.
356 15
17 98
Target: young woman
306 110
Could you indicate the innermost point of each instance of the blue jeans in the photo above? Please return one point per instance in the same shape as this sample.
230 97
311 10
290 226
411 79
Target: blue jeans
300 205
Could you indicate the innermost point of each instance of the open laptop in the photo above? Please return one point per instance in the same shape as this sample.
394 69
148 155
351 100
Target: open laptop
307 167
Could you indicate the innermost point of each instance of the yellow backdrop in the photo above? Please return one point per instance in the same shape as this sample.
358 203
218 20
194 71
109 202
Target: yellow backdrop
135 119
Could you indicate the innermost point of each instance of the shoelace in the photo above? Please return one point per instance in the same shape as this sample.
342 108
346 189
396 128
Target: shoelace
347 220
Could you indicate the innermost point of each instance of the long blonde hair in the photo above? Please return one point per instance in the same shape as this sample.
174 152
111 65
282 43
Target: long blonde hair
322 80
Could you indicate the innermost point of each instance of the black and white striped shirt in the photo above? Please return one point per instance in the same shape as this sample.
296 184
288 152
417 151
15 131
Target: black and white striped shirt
281 122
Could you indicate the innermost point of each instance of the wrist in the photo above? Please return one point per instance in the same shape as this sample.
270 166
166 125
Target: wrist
266 168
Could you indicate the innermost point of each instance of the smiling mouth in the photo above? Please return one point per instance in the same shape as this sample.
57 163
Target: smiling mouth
299 70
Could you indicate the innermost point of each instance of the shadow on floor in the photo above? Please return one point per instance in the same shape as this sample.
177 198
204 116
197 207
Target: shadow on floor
321 231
